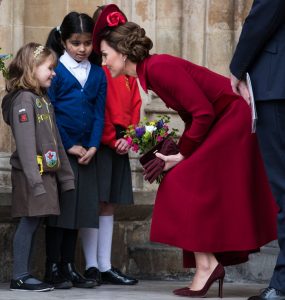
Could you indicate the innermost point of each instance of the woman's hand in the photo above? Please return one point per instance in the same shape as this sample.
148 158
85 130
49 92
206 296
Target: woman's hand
77 151
170 160
122 146
84 160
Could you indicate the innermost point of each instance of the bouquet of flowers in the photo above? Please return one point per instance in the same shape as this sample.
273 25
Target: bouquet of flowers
148 137
147 134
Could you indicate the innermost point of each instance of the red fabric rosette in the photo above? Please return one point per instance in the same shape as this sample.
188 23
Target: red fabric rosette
115 19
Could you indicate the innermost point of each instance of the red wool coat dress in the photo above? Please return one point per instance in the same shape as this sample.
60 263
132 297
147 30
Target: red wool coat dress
218 198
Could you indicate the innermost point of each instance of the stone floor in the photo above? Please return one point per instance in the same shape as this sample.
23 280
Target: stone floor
145 290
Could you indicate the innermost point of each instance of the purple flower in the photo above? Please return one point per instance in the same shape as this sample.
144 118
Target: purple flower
159 124
140 131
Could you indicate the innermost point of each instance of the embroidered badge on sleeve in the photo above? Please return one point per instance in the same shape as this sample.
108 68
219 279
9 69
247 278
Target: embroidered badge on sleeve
23 117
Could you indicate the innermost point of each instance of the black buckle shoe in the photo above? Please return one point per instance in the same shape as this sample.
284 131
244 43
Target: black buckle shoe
69 272
94 274
115 276
269 294
21 285
54 277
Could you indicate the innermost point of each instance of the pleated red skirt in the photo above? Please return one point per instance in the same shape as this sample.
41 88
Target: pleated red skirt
218 199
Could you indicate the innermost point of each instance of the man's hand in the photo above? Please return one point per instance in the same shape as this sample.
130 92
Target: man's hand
240 87
234 84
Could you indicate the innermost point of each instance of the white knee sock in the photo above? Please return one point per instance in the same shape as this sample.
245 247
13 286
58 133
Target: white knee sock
105 236
89 239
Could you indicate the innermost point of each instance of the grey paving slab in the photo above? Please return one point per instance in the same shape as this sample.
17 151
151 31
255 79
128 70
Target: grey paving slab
145 290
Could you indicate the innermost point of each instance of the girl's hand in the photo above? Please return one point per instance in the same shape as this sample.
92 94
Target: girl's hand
170 160
122 146
77 151
84 160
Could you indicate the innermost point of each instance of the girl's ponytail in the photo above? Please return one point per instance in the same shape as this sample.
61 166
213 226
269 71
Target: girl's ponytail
54 41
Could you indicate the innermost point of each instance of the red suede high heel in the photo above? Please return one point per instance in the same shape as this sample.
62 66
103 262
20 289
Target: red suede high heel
217 274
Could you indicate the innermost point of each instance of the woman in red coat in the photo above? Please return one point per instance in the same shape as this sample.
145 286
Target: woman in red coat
215 202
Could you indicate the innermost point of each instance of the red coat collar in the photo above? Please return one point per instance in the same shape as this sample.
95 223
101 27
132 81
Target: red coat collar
142 73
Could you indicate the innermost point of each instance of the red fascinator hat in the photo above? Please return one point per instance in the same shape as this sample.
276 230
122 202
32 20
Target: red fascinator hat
111 16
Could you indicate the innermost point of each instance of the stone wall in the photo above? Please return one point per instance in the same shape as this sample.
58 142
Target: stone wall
204 31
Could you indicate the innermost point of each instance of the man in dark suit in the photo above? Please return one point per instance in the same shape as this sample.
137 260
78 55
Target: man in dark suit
261 52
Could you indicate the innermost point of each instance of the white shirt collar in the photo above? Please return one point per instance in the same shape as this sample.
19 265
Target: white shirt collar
79 70
69 62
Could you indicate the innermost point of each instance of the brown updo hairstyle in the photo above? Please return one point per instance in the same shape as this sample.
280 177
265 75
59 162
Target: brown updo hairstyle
128 39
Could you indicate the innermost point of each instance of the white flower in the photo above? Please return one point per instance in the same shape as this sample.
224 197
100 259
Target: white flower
150 128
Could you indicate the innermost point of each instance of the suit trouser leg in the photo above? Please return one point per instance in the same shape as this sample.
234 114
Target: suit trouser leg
271 136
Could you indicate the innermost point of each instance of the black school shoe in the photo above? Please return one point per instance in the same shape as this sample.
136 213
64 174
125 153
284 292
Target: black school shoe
54 277
70 273
115 276
20 285
94 274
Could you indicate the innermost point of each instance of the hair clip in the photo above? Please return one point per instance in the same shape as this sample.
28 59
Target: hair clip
38 51
58 29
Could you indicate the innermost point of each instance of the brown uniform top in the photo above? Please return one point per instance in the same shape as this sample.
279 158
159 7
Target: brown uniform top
32 120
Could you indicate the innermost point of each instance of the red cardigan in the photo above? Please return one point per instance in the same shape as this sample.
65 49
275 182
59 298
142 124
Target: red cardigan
123 103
